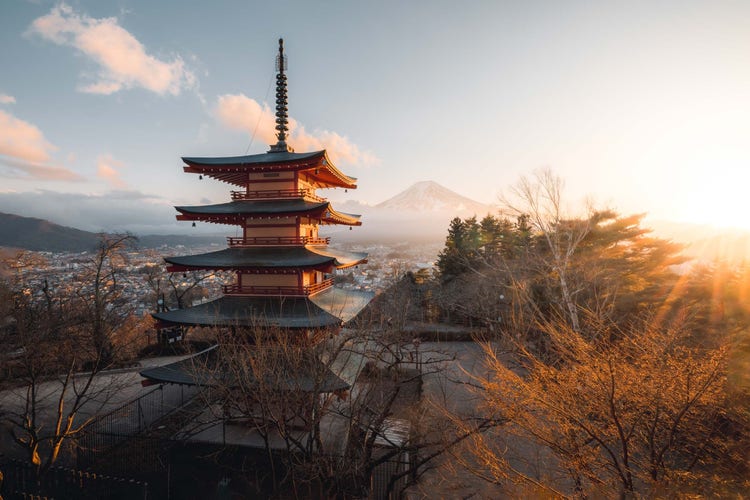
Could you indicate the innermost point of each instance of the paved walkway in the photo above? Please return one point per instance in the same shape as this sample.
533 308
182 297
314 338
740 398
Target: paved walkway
110 389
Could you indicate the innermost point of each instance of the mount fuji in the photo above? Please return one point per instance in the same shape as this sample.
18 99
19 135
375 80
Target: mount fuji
420 212
429 196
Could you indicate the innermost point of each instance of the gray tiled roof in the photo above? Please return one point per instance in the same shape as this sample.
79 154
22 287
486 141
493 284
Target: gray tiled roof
276 157
204 369
256 207
325 309
269 257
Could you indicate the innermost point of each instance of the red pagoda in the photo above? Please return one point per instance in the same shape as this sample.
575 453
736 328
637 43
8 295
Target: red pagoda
283 267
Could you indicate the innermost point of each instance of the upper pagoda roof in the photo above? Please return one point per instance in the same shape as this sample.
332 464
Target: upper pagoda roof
329 308
290 257
234 169
234 211
263 159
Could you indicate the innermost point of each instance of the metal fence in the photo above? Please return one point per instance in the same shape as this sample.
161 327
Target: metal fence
383 486
20 482
126 426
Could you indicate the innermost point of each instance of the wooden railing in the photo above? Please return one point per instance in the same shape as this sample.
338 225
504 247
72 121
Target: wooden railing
271 194
276 240
304 291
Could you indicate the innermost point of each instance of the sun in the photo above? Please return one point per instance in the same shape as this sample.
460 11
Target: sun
720 199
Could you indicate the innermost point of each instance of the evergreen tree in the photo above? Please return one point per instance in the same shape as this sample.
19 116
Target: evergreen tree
452 259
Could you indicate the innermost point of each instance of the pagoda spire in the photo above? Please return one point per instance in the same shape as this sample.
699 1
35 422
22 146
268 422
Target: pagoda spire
282 118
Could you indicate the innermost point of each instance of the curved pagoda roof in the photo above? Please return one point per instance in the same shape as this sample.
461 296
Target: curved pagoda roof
205 369
235 212
329 308
235 169
255 258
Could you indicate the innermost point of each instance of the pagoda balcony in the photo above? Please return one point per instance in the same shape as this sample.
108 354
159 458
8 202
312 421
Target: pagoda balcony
275 194
287 291
276 241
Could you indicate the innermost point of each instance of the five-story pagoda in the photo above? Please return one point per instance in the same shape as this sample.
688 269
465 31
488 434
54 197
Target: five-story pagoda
282 266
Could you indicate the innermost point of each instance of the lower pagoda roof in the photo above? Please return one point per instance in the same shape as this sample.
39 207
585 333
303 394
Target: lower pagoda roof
255 258
201 369
329 308
235 212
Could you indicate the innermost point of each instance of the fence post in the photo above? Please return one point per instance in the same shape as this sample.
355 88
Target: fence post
140 415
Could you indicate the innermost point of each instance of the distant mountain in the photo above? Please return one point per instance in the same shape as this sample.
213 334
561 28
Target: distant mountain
429 196
41 235
421 213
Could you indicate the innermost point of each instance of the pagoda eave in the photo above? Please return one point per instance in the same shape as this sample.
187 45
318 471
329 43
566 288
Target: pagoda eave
261 209
274 159
183 372
232 220
341 221
292 313
330 308
239 219
324 268
353 264
235 170
269 259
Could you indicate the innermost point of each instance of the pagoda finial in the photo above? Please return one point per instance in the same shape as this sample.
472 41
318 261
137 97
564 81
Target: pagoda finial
282 118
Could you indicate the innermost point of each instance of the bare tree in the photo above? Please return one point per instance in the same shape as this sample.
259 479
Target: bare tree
176 290
330 411
103 305
63 342
541 201
633 411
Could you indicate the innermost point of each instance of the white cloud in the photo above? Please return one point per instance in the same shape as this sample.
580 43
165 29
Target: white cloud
22 140
7 99
123 61
25 152
239 112
107 168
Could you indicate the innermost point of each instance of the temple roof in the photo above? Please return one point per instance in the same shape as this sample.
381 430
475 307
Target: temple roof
280 157
234 212
238 258
202 369
234 169
328 308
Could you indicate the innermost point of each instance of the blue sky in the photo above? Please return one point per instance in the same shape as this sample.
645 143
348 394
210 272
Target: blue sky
642 105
